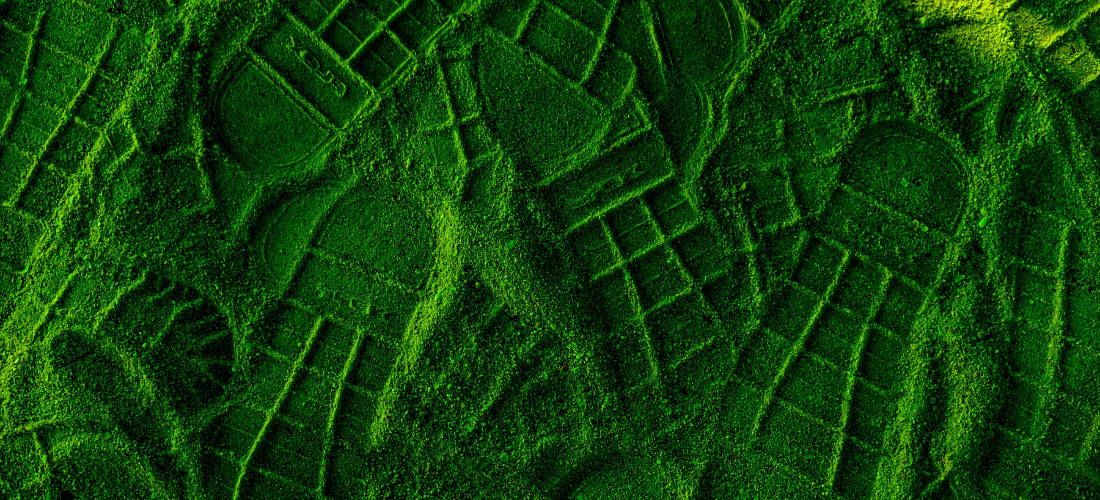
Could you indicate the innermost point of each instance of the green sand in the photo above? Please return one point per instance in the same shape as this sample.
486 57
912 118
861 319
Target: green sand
550 249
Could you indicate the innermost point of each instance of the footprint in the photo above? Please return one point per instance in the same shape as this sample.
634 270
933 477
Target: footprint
549 77
159 360
1067 41
56 112
681 52
1054 353
301 81
662 279
824 372
352 261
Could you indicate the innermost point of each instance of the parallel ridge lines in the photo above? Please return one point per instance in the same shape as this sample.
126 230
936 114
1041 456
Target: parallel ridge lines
1057 334
271 413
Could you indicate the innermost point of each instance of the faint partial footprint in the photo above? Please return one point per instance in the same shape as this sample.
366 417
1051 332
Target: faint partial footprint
684 53
1069 36
823 375
64 71
159 359
1054 359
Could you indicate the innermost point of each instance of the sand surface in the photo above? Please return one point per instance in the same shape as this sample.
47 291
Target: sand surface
549 249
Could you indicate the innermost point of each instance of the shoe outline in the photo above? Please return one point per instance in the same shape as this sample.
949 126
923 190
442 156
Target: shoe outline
65 89
321 395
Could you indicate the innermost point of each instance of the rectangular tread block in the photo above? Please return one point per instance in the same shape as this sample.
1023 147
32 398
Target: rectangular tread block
361 22
701 253
790 312
380 59
680 327
562 42
671 208
357 404
761 358
55 78
699 376
418 22
341 39
290 451
859 286
45 192
269 380
745 399
819 265
870 415
310 12
731 294
798 442
69 149
856 471
900 307
658 277
1020 415
587 12
33 125
286 329
597 252
331 348
840 325
614 288
783 248
626 353
348 465
816 388
881 362
1034 297
830 347
238 430
261 484
1030 348
310 400
632 228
